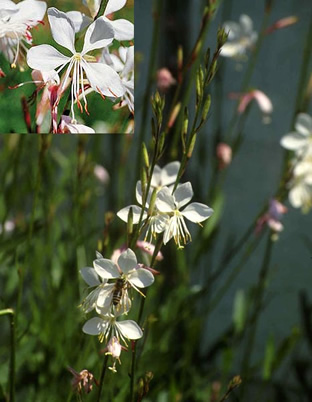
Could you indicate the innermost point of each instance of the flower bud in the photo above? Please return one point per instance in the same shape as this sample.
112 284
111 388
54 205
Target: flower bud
224 154
164 79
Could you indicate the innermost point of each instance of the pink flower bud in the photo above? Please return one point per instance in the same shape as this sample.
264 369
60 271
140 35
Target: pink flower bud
224 154
101 174
263 101
273 217
282 23
149 249
164 79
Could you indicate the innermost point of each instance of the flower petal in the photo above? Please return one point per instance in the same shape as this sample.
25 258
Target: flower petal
141 278
246 24
197 212
62 28
31 11
103 79
127 261
303 124
123 214
106 268
99 34
114 5
293 141
183 194
123 29
45 58
105 296
95 326
169 173
89 275
129 329
165 200
80 20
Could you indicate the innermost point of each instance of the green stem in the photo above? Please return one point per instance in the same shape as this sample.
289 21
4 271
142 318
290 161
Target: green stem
103 371
101 9
11 314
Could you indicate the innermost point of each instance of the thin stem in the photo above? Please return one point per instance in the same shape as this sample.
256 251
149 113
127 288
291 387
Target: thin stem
104 367
101 9
11 314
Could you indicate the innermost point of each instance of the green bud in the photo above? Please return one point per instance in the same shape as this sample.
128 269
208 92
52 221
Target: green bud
161 142
145 155
206 107
180 58
192 145
130 222
152 202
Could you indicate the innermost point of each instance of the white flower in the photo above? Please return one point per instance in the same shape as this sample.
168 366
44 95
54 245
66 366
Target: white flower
101 77
91 278
16 21
107 325
241 37
69 125
128 273
301 139
170 204
124 30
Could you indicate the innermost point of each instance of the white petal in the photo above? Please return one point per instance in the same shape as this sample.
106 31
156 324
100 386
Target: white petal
31 11
106 268
114 5
232 49
62 28
89 275
197 212
127 261
138 194
103 79
129 329
183 194
141 278
80 20
233 30
156 176
298 196
303 124
105 296
123 29
123 214
99 34
246 24
165 201
45 58
129 64
95 326
293 141
169 173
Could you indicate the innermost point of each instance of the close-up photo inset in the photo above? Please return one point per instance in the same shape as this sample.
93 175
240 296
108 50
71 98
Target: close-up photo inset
67 66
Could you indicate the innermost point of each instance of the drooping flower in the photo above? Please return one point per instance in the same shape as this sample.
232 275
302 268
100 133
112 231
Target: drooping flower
107 325
282 23
16 21
114 349
273 217
171 204
102 78
82 381
241 37
260 97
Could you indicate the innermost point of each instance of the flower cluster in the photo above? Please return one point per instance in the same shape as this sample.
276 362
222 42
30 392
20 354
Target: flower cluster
109 297
300 141
93 68
162 212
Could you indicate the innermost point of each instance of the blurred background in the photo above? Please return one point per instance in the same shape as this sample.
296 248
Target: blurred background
228 304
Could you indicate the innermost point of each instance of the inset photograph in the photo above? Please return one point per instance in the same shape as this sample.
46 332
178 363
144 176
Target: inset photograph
67 67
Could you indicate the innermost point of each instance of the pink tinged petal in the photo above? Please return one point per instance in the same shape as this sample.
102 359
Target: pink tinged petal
105 296
129 329
79 129
197 212
45 58
141 278
244 102
106 268
303 124
169 173
123 29
294 141
123 214
263 101
103 79
80 20
89 275
183 194
95 326
127 261
63 30
275 225
99 34
165 200
114 5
